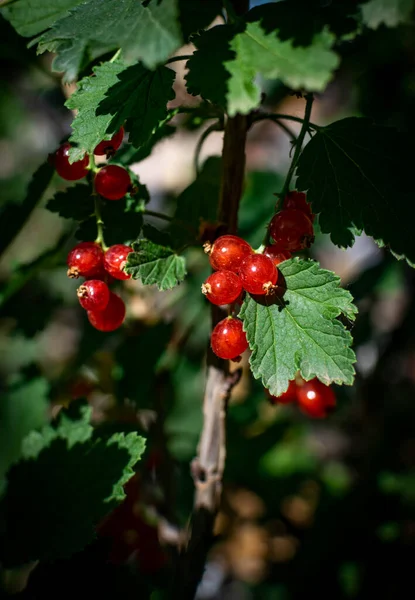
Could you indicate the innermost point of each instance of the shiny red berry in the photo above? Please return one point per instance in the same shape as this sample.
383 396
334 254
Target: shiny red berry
111 317
115 260
68 171
292 230
222 287
316 399
298 201
109 147
112 182
93 294
288 397
228 339
85 260
258 274
227 253
277 254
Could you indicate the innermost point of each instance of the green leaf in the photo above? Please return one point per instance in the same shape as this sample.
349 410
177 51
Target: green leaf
358 178
197 14
207 75
386 12
258 53
302 331
73 480
14 216
154 264
147 33
74 203
22 408
282 17
30 17
113 95
128 155
198 202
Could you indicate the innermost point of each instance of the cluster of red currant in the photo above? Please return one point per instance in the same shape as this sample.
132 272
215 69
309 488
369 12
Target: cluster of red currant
313 397
99 266
238 268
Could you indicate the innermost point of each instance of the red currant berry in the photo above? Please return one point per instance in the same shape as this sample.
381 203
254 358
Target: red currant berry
292 230
115 260
276 254
289 396
85 260
112 182
68 171
298 201
316 399
111 317
109 147
222 287
228 339
258 274
227 253
93 294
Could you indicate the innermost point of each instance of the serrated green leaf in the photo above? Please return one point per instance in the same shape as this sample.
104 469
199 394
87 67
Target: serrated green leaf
207 75
301 332
147 33
74 481
154 264
22 408
357 177
74 203
386 12
30 17
258 53
197 14
117 95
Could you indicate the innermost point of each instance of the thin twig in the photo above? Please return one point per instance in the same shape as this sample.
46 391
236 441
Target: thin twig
278 116
283 126
177 58
218 126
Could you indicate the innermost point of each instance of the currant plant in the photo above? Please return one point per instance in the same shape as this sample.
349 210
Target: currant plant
271 302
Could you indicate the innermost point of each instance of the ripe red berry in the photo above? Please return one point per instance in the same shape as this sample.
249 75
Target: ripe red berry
289 396
93 294
298 201
258 274
316 399
85 260
111 317
68 171
228 339
227 253
292 230
112 182
109 147
277 254
222 287
115 260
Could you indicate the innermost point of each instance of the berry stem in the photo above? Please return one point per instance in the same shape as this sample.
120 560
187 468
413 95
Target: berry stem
116 55
177 58
100 223
299 144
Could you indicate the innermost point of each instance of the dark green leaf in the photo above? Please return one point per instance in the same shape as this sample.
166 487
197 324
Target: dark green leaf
198 202
207 75
14 216
74 481
74 203
155 264
197 14
302 331
357 177
128 155
30 17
